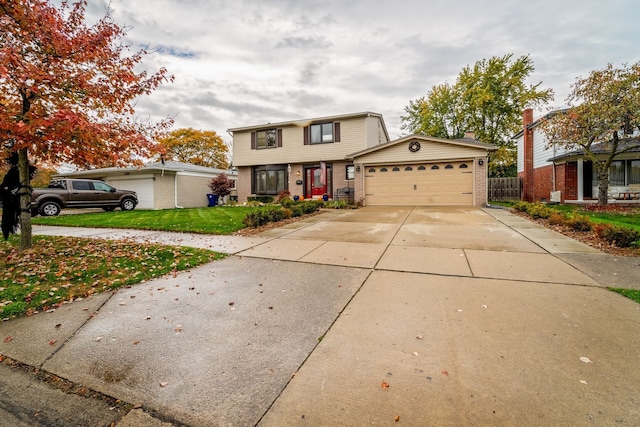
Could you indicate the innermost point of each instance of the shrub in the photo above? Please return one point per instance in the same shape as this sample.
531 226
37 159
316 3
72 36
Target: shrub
276 215
579 222
601 229
256 218
286 202
296 209
538 210
283 195
221 185
557 218
261 199
521 206
622 237
287 213
338 204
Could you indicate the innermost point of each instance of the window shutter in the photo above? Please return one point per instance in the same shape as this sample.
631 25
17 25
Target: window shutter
279 137
306 135
253 140
336 132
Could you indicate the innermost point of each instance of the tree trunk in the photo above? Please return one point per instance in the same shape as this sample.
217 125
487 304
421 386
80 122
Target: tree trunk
25 200
603 188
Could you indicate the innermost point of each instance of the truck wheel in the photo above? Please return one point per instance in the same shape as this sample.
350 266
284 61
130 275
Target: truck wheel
128 205
49 209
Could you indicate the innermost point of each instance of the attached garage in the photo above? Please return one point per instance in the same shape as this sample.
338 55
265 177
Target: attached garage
142 185
423 171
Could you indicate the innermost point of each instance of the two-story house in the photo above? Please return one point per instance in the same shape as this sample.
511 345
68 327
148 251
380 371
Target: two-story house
352 154
551 172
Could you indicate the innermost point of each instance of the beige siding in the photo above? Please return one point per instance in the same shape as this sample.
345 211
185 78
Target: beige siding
244 183
375 133
192 191
429 151
164 191
353 133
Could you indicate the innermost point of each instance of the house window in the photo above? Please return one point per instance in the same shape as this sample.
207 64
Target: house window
270 179
268 138
616 173
350 172
322 133
634 172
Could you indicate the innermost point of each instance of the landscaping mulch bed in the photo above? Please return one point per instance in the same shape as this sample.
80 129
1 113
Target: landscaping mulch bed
589 237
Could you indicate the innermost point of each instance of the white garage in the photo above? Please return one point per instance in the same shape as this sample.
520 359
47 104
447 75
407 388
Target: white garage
423 171
142 185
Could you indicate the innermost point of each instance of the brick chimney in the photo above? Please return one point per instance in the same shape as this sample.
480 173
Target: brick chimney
527 119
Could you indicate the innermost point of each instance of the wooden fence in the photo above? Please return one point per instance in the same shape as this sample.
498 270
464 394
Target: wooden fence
503 189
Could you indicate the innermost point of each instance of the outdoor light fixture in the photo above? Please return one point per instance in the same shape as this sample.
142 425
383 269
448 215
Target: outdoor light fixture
480 162
297 173
358 168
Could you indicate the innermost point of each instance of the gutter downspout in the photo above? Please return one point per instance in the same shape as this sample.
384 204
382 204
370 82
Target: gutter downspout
175 192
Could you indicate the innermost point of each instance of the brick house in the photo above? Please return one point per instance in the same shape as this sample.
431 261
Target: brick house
352 154
550 172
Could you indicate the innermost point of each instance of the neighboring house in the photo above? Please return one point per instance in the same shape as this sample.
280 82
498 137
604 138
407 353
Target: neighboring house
351 154
550 172
161 186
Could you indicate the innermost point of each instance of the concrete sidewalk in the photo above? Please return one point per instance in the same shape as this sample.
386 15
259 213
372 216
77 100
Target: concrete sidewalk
385 316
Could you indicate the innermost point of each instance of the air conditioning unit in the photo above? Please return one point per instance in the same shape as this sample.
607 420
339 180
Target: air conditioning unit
555 196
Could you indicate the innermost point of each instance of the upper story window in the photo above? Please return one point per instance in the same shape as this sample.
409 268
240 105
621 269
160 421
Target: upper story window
268 138
322 133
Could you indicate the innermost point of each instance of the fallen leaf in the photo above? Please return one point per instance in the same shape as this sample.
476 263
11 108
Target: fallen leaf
397 418
136 342
231 303
58 325
164 384
8 338
419 337
585 359
147 318
270 308
445 373
52 342
583 382
415 353
384 385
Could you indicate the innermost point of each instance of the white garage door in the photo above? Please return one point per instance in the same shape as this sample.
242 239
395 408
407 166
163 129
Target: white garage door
142 186
434 184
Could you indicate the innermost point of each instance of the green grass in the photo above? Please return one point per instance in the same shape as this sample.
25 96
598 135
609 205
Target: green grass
633 294
60 269
215 220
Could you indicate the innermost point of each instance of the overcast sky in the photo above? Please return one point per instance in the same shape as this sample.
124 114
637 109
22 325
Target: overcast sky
246 62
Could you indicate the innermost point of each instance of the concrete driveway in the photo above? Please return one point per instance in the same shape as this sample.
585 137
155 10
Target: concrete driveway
382 316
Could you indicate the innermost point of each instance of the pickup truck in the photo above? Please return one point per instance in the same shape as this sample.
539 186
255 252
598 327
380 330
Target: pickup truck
80 193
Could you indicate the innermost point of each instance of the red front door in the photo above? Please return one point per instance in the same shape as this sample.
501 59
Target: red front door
316 184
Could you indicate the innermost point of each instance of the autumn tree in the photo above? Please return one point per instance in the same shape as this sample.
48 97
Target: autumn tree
486 99
68 92
203 148
221 185
603 119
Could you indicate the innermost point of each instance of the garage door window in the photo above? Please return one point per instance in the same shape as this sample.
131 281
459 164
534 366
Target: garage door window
396 169
383 169
449 167
435 167
408 168
372 170
421 168
463 166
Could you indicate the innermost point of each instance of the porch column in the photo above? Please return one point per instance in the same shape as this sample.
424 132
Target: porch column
580 179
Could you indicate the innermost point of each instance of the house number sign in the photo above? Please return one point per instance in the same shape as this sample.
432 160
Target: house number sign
414 146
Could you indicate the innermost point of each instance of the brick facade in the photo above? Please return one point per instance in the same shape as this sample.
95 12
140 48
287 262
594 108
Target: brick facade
570 189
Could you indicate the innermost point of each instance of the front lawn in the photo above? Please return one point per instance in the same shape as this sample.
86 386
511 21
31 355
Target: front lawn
60 269
215 220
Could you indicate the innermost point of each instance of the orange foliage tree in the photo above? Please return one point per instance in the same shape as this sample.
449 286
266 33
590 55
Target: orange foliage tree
67 92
